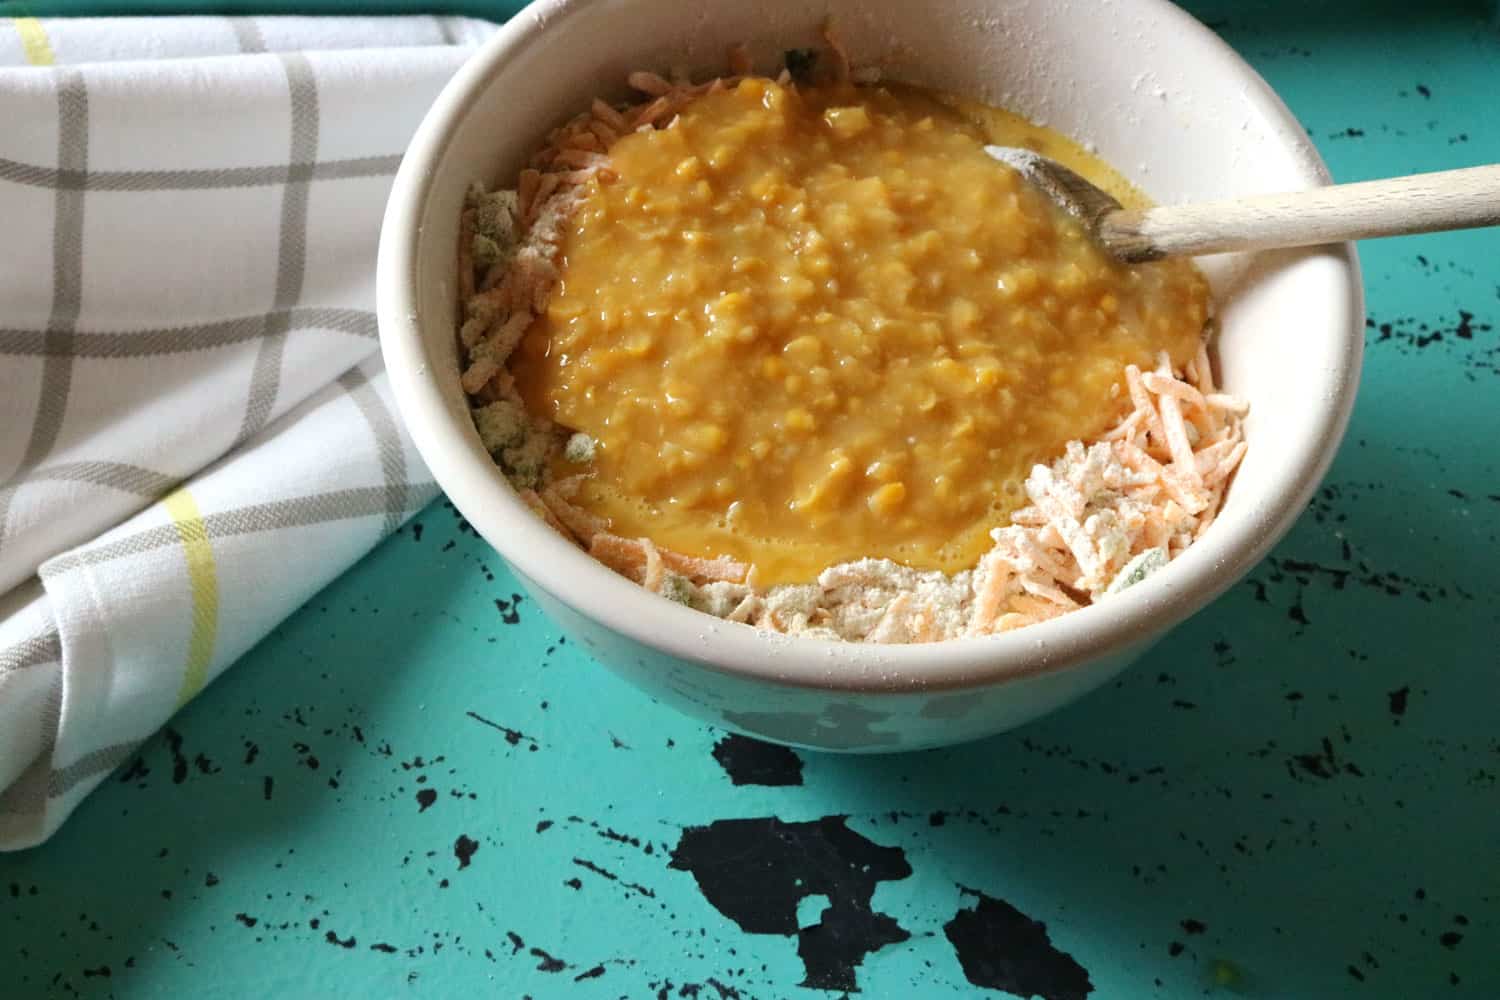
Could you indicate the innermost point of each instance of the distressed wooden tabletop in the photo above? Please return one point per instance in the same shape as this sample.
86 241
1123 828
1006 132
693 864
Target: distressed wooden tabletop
1295 795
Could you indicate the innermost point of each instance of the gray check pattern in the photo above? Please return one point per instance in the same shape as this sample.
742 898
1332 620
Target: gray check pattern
221 178
150 282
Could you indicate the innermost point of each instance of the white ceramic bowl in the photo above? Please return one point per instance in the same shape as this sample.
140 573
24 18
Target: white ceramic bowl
1155 93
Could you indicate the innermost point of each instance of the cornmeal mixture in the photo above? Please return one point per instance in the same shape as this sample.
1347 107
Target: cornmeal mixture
810 324
797 353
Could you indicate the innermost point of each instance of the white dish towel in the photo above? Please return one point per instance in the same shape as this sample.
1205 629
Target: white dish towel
195 429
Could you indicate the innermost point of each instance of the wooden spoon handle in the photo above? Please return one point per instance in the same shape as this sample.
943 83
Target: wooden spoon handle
1421 203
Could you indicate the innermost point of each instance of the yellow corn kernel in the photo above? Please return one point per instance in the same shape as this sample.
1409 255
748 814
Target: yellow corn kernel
834 483
1071 278
886 500
721 156
799 419
766 188
679 406
708 437
964 313
1021 284
817 265
800 289
846 123
803 350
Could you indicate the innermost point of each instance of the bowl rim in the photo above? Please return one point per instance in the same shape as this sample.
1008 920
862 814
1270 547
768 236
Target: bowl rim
544 559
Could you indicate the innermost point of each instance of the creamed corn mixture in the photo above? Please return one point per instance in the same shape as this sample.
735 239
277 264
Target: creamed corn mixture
812 324
820 362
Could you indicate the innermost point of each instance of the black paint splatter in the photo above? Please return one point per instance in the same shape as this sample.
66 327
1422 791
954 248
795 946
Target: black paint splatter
756 872
512 736
510 611
463 849
333 938
596 869
425 798
1001 948
1409 333
750 761
1465 328
306 757
1325 764
1397 700
179 760
135 772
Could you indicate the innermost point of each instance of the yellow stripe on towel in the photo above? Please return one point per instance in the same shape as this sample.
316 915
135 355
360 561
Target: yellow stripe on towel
34 43
203 580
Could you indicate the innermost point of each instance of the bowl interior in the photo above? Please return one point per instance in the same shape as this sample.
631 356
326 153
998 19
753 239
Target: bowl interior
1153 92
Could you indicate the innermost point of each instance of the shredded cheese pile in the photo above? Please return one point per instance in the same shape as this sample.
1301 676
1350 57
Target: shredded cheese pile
1101 518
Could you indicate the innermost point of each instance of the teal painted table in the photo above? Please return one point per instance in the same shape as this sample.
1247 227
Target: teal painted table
1293 796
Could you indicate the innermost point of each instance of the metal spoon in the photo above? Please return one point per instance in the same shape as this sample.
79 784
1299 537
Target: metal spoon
1420 203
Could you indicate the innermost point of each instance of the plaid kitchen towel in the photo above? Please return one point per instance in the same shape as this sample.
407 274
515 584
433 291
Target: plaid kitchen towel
195 428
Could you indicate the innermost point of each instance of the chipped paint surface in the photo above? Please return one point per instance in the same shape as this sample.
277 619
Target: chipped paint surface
415 787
